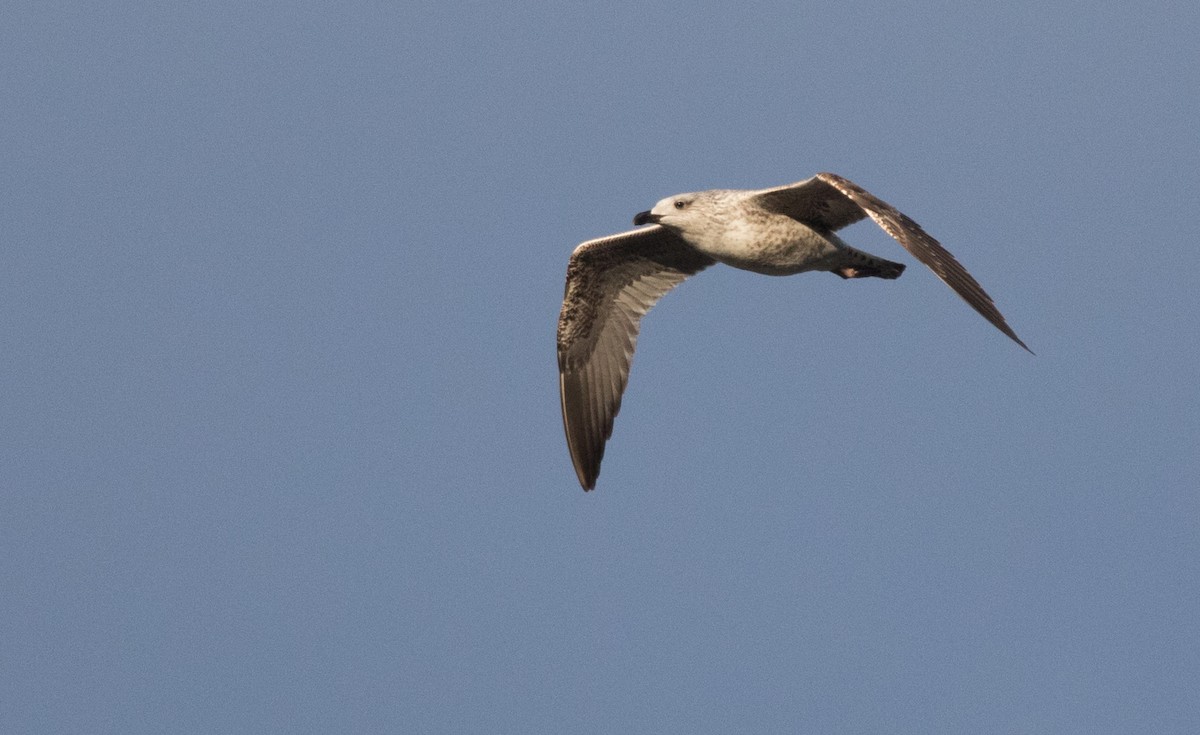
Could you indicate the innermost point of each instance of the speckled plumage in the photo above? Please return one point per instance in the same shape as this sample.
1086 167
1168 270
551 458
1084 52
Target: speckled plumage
613 281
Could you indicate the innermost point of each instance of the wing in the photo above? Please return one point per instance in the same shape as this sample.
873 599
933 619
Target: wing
814 202
828 201
927 250
611 283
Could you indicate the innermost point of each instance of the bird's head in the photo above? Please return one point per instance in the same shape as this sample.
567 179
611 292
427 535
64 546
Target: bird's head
676 212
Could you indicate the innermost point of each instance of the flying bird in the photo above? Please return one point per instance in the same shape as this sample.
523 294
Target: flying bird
613 281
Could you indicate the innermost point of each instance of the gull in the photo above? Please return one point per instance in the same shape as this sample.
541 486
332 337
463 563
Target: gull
613 281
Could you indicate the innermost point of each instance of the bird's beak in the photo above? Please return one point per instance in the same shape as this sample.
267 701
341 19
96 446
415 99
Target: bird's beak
645 218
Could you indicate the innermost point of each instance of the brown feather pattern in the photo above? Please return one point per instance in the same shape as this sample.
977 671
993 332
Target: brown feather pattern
924 248
611 283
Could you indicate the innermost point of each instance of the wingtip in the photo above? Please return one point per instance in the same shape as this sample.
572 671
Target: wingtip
585 475
587 480
1013 336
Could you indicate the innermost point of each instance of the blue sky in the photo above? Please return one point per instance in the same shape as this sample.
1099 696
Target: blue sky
281 441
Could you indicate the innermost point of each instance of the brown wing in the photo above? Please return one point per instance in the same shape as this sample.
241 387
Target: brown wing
927 250
814 202
611 283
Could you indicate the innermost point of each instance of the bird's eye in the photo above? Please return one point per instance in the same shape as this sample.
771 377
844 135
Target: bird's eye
680 204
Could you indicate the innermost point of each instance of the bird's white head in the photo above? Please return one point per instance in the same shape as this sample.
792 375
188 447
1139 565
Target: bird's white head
680 212
700 218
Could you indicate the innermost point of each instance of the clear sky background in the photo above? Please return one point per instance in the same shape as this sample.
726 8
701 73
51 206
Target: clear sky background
281 444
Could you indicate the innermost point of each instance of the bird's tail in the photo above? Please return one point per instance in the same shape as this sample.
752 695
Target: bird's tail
857 264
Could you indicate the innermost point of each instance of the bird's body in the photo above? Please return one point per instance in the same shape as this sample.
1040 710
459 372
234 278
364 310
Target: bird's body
613 281
730 229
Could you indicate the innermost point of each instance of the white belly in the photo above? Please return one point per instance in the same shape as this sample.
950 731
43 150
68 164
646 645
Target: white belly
779 246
